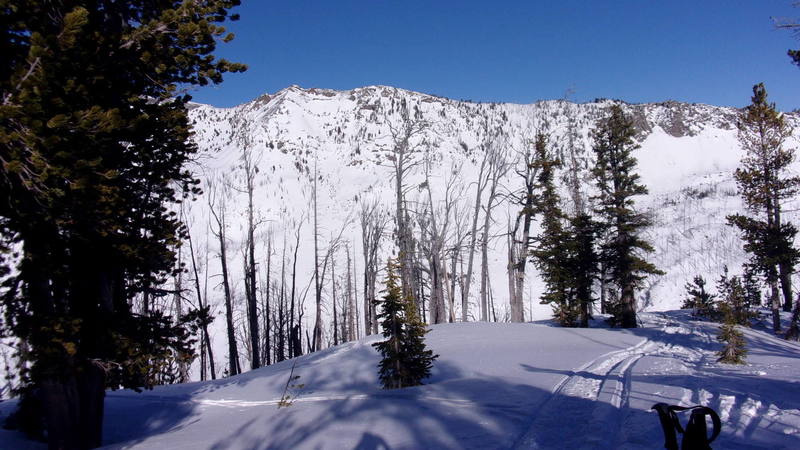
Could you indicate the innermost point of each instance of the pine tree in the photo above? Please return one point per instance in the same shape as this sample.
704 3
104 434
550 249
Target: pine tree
697 298
94 135
734 313
405 361
734 351
763 184
618 184
752 286
582 262
733 294
550 253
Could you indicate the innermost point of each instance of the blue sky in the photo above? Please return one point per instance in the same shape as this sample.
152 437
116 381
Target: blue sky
706 51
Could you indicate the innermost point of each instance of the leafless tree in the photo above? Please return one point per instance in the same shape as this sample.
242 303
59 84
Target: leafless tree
403 156
249 168
373 226
205 340
351 300
183 368
218 193
434 222
519 238
498 165
490 131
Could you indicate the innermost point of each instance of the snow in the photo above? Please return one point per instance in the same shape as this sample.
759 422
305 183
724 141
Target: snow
529 385
687 157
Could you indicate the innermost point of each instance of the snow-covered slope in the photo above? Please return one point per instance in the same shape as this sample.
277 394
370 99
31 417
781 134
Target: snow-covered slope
687 156
494 386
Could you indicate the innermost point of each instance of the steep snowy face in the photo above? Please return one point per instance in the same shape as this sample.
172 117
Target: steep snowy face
346 141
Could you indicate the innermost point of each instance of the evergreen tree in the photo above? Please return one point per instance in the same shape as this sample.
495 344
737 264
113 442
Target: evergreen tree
752 286
734 313
618 184
93 139
582 262
405 361
763 184
734 351
698 299
733 300
550 252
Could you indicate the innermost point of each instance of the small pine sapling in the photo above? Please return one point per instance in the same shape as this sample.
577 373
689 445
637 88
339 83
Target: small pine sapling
698 299
733 351
405 361
752 287
734 313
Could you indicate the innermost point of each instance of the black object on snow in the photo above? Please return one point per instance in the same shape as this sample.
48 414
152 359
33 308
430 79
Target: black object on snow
695 435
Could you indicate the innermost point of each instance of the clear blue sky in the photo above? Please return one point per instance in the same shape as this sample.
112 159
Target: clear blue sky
707 51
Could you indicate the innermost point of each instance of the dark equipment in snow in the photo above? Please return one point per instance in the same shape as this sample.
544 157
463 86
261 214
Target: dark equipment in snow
695 436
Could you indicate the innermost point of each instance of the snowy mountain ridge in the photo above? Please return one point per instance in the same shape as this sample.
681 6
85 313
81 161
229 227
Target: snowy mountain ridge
687 156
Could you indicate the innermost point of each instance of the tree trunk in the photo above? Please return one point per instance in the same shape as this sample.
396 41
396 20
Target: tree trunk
775 303
333 292
204 327
628 305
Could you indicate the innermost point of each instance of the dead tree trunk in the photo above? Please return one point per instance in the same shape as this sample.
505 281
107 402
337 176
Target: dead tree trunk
220 234
250 170
351 302
519 240
206 339
373 225
498 166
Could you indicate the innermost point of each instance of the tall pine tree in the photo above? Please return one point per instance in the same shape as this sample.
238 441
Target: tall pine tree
764 184
93 139
617 185
549 252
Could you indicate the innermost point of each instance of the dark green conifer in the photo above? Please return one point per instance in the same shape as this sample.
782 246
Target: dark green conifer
733 294
733 311
582 262
550 247
698 299
94 136
618 184
734 349
405 360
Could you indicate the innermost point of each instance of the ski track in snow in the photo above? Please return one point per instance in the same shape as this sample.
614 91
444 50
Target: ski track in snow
606 381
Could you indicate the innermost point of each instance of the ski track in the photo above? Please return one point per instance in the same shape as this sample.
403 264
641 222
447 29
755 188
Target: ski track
606 381
238 404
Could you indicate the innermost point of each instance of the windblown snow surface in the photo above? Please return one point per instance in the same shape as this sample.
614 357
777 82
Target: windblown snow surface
494 385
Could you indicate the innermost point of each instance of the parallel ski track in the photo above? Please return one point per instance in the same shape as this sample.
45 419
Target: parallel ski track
614 368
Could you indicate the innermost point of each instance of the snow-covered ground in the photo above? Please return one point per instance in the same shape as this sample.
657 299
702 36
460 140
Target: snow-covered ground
494 386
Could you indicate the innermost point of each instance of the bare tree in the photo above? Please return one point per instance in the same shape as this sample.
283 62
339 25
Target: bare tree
351 301
204 319
434 222
295 342
319 276
183 368
217 204
460 233
265 306
403 157
373 226
490 132
519 237
250 170
497 167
